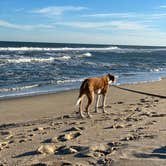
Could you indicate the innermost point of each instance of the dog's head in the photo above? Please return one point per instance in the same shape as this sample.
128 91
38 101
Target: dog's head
111 78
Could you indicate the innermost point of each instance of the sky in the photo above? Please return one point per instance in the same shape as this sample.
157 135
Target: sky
118 22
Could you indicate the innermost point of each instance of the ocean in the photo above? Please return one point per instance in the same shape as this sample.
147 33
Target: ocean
39 68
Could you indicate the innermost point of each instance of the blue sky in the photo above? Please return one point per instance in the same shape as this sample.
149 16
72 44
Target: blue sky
133 22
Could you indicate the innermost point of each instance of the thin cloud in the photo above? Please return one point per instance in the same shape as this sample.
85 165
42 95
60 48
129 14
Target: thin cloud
163 6
127 15
125 25
22 27
119 15
58 10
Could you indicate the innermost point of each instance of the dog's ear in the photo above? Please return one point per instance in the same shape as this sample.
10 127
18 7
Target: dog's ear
111 77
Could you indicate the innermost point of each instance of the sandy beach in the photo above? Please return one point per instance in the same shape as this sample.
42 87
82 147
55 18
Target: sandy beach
46 129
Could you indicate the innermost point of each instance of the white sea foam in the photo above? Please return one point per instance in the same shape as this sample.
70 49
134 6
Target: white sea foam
87 54
138 50
34 60
111 49
157 69
69 81
66 57
18 88
57 49
29 60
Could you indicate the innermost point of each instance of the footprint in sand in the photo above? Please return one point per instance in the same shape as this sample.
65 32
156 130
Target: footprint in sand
6 135
69 136
115 126
97 151
75 129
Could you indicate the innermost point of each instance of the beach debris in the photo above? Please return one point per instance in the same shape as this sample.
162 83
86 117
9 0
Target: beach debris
38 129
69 136
48 148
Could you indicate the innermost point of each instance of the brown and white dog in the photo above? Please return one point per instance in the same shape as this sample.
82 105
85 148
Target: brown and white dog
92 86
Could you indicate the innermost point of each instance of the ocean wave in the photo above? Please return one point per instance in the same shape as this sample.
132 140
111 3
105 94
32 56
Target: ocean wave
87 54
34 60
138 50
66 57
69 81
29 60
115 49
18 88
157 69
57 49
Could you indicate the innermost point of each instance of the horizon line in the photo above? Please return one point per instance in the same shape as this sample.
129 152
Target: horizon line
77 43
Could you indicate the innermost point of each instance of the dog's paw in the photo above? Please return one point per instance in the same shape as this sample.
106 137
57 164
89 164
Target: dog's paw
105 112
96 111
90 116
82 116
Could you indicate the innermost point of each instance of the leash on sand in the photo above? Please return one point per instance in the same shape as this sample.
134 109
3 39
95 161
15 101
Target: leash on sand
140 92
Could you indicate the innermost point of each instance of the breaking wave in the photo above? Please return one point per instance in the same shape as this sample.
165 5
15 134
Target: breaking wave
57 49
87 54
34 60
111 49
18 88
69 81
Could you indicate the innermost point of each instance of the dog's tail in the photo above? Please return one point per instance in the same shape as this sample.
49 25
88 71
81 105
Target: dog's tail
83 86
78 101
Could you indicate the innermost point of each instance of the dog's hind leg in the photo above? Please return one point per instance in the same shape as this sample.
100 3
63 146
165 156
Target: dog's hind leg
80 108
90 99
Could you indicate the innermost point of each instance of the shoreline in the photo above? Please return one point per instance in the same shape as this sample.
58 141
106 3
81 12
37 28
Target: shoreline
32 94
46 129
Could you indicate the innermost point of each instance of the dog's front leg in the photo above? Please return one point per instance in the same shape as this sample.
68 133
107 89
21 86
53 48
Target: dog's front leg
97 102
103 103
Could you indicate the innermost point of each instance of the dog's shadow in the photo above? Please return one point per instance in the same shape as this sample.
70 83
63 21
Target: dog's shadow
31 153
157 153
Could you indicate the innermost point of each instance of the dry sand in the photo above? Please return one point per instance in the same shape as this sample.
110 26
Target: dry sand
45 130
